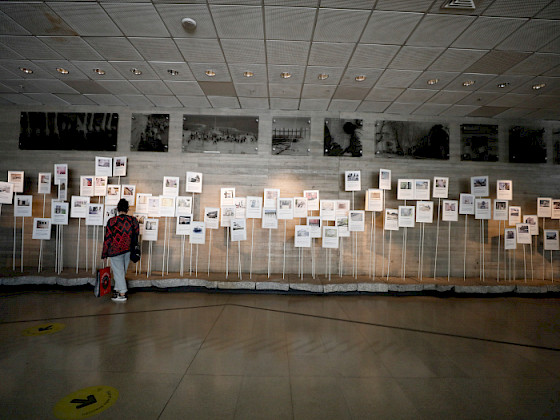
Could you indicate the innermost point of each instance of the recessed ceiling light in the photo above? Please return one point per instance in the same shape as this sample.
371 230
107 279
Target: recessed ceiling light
503 85
26 70
210 73
360 78
468 83
432 82
99 71
62 71
136 71
248 74
285 75
323 76
173 72
539 86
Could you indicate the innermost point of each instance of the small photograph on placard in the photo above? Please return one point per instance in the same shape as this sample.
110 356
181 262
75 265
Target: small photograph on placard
405 189
227 195
312 199
510 238
315 225
300 207
479 186
302 236
128 192
183 225
100 186
23 206
44 183
166 206
62 191
238 230
60 172
198 233
142 202
41 228
119 166
271 196
441 187
555 204
501 210
342 207
270 219
171 186
86 186
341 222
391 219
421 189
103 166
6 192
406 216
183 206
533 221
328 209
78 206
212 217
16 178
356 220
330 237
384 179
113 194
466 204
523 233
544 207
352 181
254 207
285 208
153 206
151 228
374 200
95 214
240 204
59 213
450 212
424 212
227 213
514 215
483 209
551 242
504 189
194 182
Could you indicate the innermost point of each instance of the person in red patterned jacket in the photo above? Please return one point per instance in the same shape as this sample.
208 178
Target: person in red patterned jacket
121 236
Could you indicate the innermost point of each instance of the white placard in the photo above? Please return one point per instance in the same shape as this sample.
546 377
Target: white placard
285 209
406 216
466 204
41 228
302 236
330 237
60 173
100 186
44 183
300 207
312 199
142 202
555 208
151 228
23 205
504 189
533 221
79 207
128 192
6 192
374 199
391 219
510 241
328 209
227 194
315 226
384 179
113 195
110 212
523 233
119 166
86 186
228 213
212 217
166 206
341 222
238 230
450 211
405 189
342 207
482 208
479 186
170 186
153 206
514 215
501 210
551 240
254 207
194 182
271 196
94 215
62 191
421 189
141 218
183 206
544 207
441 187
184 225
103 166
198 233
424 211
240 204
59 213
270 219
356 220
16 178
352 180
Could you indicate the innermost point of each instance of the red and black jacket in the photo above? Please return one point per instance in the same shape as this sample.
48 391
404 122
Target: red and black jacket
121 235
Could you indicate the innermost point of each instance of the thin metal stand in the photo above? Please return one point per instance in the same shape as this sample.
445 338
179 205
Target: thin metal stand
209 251
227 252
252 242
22 240
78 244
465 253
437 238
499 250
239 273
284 256
389 257
269 241
448 252
524 263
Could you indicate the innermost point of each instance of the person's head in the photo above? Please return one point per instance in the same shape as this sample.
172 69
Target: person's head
122 206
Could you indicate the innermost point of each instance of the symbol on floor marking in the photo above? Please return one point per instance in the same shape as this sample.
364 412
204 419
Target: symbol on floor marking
43 329
86 402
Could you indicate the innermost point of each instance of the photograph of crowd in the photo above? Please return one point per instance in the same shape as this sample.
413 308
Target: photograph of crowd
412 139
149 133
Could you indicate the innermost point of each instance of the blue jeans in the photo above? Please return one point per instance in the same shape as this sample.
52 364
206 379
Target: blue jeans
119 265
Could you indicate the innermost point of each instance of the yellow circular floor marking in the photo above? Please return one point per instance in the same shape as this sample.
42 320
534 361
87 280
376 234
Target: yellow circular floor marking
43 329
86 402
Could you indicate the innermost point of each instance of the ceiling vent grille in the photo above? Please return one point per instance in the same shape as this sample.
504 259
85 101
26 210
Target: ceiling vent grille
459 5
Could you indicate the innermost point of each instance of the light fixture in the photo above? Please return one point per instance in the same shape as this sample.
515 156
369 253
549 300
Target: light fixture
468 83
62 71
539 86
323 76
173 72
285 75
360 78
432 82
99 71
503 85
248 74
189 24
136 71
210 73
26 70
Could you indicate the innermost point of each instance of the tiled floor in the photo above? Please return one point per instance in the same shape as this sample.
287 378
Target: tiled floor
220 356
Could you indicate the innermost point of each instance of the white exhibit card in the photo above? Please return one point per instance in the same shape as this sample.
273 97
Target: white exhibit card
342 207
151 227
184 225
171 186
555 209
78 206
533 221
514 215
228 213
356 220
183 206
128 192
330 237
551 240
441 187
406 216
166 206
212 217
328 209
544 207
119 166
271 196
352 180
198 233
384 179
374 199
238 230
59 213
6 192
194 182
153 206
240 204
60 173
227 194
466 203
113 194
501 210
141 221
300 207
62 191
523 233
341 222
103 166
269 219
302 236
100 186
44 183
254 207
312 199
405 189
16 178
391 219
86 186
510 241
315 225
424 211
23 205
41 228
450 212
482 208
110 212
421 189
285 209
479 186
142 202
504 189
94 215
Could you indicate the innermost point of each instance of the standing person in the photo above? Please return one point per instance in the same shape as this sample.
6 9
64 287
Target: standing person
121 236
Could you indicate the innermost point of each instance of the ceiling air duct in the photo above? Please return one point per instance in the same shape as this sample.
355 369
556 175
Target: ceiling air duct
459 5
